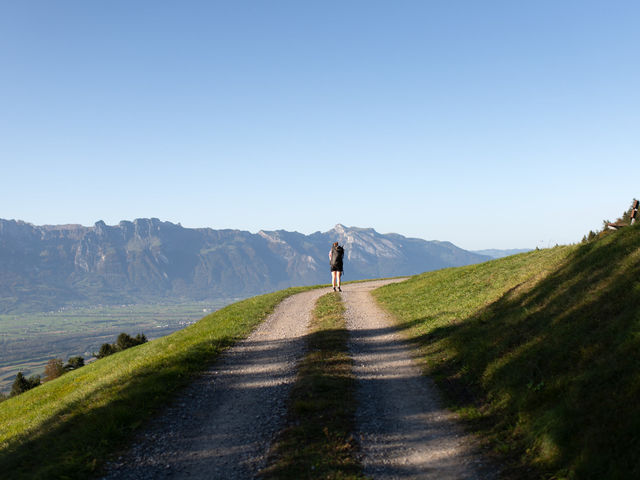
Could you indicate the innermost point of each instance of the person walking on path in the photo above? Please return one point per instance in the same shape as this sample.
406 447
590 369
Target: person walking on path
335 260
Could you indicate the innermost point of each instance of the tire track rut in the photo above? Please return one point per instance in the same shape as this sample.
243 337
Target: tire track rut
224 423
404 431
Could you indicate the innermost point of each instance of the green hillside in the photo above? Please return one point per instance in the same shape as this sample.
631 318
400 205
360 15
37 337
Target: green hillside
539 353
66 427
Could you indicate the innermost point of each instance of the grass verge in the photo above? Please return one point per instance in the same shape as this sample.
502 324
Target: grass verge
66 427
317 442
539 352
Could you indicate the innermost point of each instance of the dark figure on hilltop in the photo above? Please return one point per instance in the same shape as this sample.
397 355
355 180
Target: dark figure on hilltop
336 256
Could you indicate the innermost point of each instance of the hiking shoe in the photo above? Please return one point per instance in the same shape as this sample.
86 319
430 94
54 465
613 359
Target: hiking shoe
334 289
339 289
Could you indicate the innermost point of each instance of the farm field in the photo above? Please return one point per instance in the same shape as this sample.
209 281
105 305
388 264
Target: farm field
28 341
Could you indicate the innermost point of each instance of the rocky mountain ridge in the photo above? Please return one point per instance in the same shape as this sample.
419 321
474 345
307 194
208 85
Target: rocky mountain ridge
46 267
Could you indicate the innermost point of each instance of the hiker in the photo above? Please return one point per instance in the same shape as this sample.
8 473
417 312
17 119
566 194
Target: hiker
335 260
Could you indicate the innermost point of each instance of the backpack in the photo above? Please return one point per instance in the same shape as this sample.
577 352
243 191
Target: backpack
336 256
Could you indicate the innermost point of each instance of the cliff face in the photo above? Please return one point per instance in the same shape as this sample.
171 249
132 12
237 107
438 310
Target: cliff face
45 267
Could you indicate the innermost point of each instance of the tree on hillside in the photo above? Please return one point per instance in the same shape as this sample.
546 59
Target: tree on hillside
3 397
22 384
54 369
106 349
123 342
592 236
74 363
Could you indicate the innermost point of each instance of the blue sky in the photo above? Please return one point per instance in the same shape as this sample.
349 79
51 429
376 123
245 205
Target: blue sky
494 124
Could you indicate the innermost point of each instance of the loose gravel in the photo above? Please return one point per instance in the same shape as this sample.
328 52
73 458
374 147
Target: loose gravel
222 425
404 431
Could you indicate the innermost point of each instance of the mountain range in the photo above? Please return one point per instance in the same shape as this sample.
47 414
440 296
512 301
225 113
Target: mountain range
46 267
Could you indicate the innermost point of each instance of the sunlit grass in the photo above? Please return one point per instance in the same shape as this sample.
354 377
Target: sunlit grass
539 352
318 442
66 427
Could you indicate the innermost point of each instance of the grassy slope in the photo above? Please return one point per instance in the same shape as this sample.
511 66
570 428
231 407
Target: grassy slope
63 428
317 442
540 352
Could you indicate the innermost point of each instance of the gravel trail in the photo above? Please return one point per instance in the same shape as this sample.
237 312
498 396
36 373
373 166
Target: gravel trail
404 432
222 425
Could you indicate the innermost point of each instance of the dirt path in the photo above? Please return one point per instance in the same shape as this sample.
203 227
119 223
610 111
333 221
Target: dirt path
223 424
403 430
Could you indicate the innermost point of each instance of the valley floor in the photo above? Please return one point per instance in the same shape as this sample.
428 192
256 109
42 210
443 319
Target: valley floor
29 340
223 424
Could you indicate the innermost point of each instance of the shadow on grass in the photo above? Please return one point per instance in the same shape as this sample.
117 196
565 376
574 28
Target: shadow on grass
75 442
554 368
222 419
402 418
317 441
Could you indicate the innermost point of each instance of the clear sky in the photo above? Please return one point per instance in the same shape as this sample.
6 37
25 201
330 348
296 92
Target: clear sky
491 124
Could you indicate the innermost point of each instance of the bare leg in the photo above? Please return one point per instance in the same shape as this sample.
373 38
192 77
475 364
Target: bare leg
339 277
334 275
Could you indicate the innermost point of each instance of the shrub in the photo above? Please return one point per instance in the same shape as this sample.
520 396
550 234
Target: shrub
22 384
74 363
123 342
54 369
105 350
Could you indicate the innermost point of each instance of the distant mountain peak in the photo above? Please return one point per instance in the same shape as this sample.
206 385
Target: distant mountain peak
341 229
271 236
43 268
